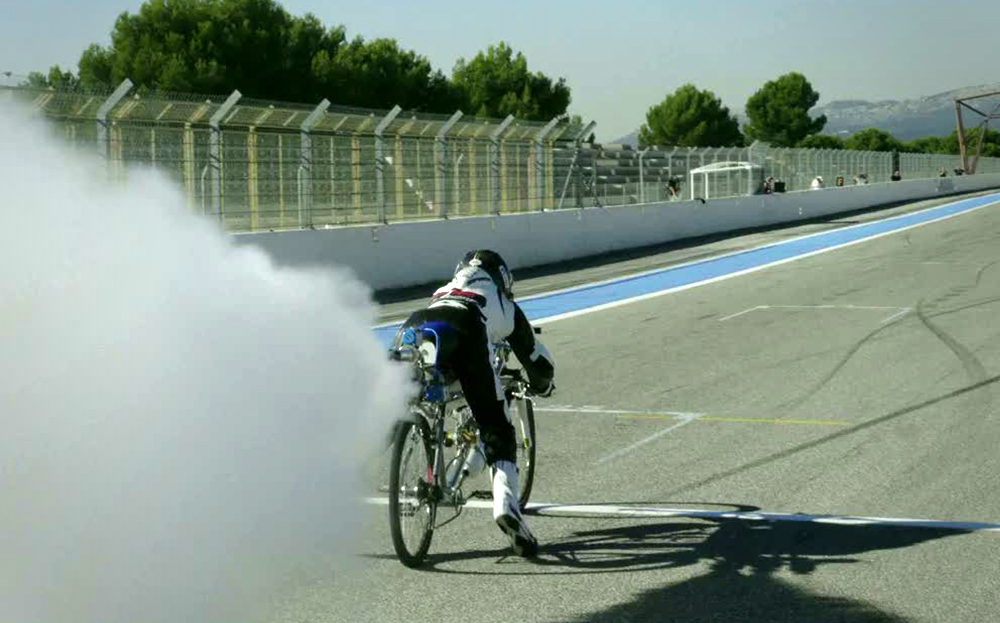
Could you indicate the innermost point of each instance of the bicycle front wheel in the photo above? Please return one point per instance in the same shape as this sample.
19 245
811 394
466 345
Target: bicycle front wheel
412 506
524 434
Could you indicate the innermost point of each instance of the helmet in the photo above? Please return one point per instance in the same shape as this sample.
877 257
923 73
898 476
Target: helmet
493 264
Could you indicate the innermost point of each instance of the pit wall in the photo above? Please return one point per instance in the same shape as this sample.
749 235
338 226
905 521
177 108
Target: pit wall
417 252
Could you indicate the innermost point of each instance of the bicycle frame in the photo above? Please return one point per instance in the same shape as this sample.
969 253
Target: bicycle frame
436 401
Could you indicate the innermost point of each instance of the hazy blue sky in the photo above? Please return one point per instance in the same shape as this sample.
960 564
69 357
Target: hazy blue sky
621 57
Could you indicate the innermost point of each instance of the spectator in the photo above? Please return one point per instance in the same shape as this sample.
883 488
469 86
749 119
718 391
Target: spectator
817 182
896 176
959 171
673 187
944 172
840 180
768 187
862 179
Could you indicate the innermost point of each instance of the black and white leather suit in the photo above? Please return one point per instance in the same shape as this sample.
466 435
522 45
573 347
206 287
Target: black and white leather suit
482 314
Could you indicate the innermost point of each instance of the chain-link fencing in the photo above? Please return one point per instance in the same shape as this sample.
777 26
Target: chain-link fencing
259 165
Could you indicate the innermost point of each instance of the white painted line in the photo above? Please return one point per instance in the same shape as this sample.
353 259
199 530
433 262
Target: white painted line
745 311
683 420
670 267
602 411
546 509
849 520
902 310
861 307
746 271
651 271
663 414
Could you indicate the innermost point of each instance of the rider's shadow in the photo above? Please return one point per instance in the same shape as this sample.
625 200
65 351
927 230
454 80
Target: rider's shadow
737 544
742 556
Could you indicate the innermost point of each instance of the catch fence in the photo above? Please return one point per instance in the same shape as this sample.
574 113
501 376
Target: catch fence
258 165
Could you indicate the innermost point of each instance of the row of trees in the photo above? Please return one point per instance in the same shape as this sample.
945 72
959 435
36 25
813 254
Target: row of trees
778 114
873 139
256 46
215 46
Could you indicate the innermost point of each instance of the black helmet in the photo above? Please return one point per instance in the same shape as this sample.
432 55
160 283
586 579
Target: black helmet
493 264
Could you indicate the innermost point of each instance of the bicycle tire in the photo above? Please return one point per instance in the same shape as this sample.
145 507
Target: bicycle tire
414 435
526 446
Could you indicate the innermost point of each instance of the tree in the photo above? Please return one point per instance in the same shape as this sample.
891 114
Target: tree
213 46
55 79
689 117
873 139
991 142
379 74
498 83
821 141
929 145
95 70
779 111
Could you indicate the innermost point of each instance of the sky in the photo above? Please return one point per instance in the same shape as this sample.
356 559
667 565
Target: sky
620 58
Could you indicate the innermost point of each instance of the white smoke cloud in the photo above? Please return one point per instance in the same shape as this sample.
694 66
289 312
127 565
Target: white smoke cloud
181 422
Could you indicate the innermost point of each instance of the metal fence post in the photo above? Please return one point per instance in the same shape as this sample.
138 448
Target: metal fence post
304 176
380 162
495 160
578 170
642 177
539 176
215 149
441 160
103 144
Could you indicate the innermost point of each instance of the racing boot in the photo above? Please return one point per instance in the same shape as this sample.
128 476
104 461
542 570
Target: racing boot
506 512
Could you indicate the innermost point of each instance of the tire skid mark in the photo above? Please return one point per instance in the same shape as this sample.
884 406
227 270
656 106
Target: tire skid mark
777 456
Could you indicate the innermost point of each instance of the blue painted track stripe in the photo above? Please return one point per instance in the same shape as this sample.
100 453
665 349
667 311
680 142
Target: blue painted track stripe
672 277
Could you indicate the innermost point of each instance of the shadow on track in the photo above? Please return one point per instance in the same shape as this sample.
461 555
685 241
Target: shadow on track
739 545
742 557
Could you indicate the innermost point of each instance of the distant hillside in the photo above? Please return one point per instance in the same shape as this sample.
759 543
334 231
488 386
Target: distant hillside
907 119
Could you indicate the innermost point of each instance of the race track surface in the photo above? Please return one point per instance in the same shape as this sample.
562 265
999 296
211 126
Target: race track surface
699 439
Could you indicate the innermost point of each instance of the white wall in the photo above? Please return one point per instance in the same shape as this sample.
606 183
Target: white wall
410 253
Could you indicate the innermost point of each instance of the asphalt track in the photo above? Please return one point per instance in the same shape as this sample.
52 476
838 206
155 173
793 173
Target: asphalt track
700 440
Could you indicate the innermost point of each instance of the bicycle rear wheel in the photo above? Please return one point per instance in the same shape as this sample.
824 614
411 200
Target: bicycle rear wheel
524 434
412 506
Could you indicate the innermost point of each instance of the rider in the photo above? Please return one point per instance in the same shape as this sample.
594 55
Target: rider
477 304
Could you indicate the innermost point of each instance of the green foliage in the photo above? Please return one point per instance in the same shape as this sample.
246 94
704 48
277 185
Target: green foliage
256 46
930 145
379 74
55 79
497 83
689 117
95 68
213 46
821 141
873 139
779 111
991 142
